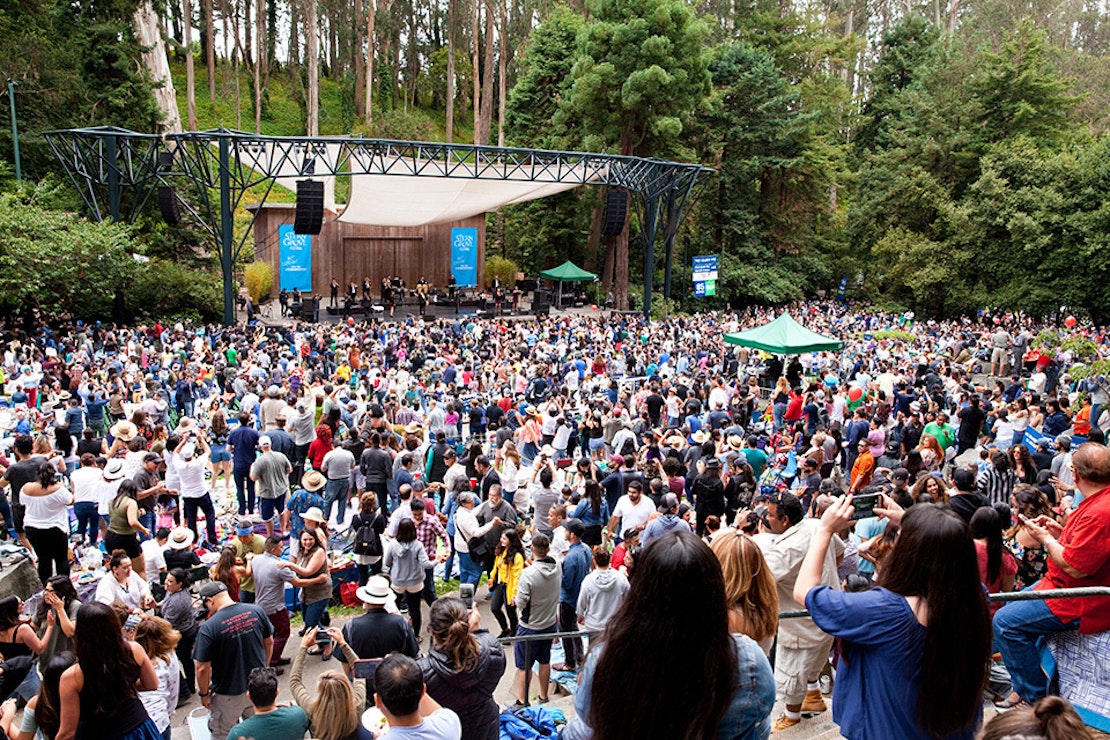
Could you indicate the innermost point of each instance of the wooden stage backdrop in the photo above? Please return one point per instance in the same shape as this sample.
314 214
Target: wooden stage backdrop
350 252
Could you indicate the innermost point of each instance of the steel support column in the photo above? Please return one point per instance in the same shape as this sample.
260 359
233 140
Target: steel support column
227 233
111 161
651 221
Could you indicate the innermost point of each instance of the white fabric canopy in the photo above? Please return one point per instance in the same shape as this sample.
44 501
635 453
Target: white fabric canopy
404 199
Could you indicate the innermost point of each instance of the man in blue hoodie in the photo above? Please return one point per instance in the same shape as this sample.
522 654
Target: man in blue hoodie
668 520
576 566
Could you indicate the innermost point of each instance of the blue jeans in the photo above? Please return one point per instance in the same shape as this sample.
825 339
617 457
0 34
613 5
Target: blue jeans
336 491
244 489
469 572
147 520
1018 627
313 611
6 512
777 412
1096 411
87 518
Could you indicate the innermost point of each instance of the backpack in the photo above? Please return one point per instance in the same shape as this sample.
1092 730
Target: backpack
367 540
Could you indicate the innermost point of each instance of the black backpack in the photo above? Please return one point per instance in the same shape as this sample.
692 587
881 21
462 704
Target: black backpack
367 540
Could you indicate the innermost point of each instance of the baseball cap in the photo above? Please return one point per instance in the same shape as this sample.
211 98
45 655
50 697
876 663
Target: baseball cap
265 441
212 588
964 479
152 457
575 527
900 474
670 501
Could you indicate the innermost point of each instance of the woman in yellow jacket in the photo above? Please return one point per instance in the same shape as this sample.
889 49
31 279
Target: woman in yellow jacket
508 562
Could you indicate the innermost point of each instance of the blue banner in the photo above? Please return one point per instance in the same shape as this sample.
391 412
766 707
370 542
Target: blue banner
705 268
464 257
296 259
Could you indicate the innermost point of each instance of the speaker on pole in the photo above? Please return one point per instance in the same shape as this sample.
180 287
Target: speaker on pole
167 204
616 211
310 207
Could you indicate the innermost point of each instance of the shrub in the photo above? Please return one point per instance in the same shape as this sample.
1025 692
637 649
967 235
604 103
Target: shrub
259 279
502 268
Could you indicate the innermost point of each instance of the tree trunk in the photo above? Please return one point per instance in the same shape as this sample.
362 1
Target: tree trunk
371 11
359 64
259 64
190 73
312 61
477 100
452 10
487 79
149 35
210 48
294 37
248 32
502 71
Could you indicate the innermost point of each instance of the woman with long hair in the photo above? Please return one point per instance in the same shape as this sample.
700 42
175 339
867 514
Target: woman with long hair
124 525
593 511
219 458
1050 718
100 695
405 560
750 590
334 708
159 639
123 583
508 564
369 515
320 446
177 609
916 649
42 713
1021 460
58 607
463 667
997 566
930 485
46 520
507 464
780 399
226 571
17 639
1032 558
727 688
932 456
312 561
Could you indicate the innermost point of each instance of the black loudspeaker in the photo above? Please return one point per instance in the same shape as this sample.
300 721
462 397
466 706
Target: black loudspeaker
540 303
310 207
167 204
616 211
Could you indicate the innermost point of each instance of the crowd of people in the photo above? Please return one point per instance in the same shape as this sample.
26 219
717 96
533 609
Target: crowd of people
597 474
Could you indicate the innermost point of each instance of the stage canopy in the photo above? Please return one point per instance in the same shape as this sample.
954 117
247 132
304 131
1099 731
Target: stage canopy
784 336
568 272
389 200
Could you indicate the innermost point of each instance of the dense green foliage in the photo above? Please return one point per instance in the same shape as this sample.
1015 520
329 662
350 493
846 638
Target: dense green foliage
942 158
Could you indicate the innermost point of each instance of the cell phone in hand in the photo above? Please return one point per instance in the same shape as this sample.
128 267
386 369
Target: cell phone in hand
365 669
322 637
132 622
865 505
466 593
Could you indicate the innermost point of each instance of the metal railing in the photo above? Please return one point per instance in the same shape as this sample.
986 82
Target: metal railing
1052 593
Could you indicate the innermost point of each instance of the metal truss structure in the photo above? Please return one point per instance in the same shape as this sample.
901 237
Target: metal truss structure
116 171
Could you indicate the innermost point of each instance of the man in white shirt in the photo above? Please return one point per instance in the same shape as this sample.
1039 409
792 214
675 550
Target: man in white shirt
154 557
632 511
190 461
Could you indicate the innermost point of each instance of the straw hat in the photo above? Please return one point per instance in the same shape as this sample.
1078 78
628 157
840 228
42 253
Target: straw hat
313 480
412 428
735 442
700 437
180 538
314 515
124 430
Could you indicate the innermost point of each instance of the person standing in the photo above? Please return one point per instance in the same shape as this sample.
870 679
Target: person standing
177 609
190 461
46 521
270 579
377 633
270 472
242 443
25 470
537 600
234 640
601 594
247 544
431 533
467 530
337 465
803 649
576 566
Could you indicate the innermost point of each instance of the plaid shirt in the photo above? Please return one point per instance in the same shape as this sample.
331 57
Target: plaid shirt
428 531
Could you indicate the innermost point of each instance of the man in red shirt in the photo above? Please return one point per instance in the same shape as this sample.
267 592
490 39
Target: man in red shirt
1078 556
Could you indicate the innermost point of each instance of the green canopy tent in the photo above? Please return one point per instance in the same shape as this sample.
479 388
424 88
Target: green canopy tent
568 272
784 336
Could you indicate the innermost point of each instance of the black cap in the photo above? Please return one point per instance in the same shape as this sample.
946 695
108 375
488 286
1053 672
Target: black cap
964 479
900 475
575 527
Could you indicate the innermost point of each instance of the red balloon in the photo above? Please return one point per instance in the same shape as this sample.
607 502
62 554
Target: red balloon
1070 322
855 393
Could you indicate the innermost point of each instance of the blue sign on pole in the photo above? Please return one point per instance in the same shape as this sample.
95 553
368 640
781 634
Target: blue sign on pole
699 289
464 257
296 259
705 268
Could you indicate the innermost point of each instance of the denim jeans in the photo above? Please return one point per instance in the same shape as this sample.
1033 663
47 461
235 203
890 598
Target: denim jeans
147 520
1018 627
336 491
1096 411
6 512
469 572
87 518
244 489
313 611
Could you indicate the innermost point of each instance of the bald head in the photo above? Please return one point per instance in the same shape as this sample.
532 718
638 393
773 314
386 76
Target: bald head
1092 464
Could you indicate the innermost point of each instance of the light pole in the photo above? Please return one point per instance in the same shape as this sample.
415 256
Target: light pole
15 131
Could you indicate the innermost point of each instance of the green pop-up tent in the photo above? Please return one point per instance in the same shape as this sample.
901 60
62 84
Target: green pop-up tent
784 336
568 272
